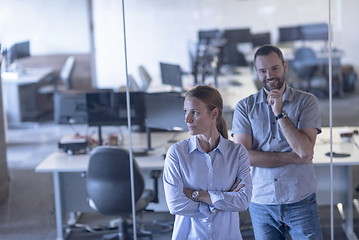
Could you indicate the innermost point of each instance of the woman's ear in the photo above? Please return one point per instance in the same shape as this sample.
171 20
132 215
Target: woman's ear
215 113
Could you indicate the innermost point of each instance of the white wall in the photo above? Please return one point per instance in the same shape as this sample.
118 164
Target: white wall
159 30
52 26
110 58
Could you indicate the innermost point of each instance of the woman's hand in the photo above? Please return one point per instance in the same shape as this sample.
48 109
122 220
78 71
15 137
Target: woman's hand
237 187
188 192
203 196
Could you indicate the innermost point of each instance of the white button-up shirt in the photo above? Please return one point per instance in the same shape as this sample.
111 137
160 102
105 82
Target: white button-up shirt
188 166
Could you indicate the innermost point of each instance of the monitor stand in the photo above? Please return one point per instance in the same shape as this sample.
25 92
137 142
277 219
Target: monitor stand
148 133
99 136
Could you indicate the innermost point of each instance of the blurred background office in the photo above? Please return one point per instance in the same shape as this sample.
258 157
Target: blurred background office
163 31
67 49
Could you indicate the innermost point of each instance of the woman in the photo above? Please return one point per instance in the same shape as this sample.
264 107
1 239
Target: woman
206 177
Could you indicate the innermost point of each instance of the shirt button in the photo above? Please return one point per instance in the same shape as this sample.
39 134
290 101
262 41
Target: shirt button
273 123
276 179
273 137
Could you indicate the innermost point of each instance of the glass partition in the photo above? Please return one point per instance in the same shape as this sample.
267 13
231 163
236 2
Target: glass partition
213 43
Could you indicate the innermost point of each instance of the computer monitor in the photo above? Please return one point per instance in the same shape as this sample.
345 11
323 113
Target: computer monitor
242 35
260 39
171 74
18 50
70 108
165 111
314 31
110 108
230 53
289 34
207 35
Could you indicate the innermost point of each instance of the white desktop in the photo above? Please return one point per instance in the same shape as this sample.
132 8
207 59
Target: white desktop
69 174
20 90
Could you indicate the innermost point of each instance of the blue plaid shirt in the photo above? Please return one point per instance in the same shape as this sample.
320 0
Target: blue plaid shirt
252 115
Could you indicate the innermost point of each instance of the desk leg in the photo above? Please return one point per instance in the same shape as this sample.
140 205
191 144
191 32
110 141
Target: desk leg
348 207
58 206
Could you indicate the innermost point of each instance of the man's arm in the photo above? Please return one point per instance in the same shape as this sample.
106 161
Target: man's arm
268 159
302 141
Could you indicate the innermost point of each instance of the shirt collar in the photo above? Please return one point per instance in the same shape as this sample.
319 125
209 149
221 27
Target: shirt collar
194 144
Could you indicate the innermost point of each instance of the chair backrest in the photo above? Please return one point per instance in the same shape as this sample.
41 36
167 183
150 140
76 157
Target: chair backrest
145 78
305 62
133 84
305 54
66 72
108 180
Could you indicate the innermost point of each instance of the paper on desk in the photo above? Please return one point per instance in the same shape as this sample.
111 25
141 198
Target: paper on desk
10 75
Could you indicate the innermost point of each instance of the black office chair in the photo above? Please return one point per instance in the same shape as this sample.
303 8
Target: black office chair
305 65
109 187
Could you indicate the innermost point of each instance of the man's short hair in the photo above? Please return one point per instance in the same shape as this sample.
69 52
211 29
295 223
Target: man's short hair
268 49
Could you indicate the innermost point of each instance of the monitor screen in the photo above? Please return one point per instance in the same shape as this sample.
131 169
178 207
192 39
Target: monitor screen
18 50
289 34
207 35
238 35
70 108
260 39
165 111
317 31
171 74
110 109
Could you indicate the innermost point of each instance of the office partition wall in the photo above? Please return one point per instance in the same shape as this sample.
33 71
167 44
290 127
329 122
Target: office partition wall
174 37
4 173
159 31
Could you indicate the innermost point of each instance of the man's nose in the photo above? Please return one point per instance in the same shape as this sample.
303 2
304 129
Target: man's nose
269 74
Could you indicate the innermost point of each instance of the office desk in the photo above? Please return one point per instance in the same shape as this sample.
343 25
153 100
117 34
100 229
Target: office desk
69 176
342 175
70 188
20 91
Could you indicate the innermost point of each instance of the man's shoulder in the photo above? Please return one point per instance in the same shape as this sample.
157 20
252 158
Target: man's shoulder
301 93
251 98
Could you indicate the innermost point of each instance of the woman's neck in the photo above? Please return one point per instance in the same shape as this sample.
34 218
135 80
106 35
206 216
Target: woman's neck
210 142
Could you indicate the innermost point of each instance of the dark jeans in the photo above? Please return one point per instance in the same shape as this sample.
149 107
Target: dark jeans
301 218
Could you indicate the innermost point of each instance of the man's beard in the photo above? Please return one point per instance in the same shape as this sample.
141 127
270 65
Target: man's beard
280 82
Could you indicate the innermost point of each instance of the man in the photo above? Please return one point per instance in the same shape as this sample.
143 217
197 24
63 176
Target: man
278 125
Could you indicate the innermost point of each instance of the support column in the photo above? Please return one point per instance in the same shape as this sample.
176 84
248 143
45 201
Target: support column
4 173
